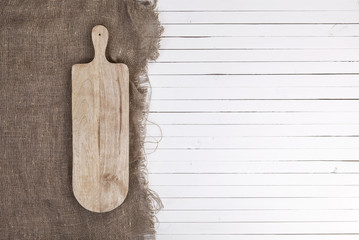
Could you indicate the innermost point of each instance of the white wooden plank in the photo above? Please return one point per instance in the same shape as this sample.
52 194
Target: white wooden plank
245 5
264 17
258 216
256 191
257 237
231 81
256 68
188 170
254 143
322 118
242 155
257 93
260 43
259 228
205 106
254 130
258 55
207 167
253 179
263 30
265 204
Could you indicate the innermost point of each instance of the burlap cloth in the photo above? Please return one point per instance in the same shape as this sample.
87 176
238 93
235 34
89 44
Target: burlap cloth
39 42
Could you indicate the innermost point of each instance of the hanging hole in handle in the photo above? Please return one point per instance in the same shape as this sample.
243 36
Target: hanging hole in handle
99 34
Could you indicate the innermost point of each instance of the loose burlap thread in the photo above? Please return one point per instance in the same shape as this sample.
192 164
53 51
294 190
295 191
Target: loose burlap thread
39 42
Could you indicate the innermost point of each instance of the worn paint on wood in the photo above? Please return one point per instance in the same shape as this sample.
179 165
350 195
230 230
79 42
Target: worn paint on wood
256 96
100 122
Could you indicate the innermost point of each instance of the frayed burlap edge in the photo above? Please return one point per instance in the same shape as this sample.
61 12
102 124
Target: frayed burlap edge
140 87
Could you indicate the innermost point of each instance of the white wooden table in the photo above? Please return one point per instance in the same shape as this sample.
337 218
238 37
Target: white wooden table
258 102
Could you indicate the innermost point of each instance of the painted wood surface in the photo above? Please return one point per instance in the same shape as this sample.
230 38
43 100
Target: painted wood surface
100 118
257 101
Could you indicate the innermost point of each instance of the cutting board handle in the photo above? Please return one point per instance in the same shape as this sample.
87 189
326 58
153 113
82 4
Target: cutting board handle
99 40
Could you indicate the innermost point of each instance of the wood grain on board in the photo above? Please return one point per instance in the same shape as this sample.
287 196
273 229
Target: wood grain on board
100 119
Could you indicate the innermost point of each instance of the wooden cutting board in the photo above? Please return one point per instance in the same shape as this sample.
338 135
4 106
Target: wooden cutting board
100 129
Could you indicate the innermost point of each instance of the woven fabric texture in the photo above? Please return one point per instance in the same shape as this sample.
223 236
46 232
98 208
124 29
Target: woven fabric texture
39 42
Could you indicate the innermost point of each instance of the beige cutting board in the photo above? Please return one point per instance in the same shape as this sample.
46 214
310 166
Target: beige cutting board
100 129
